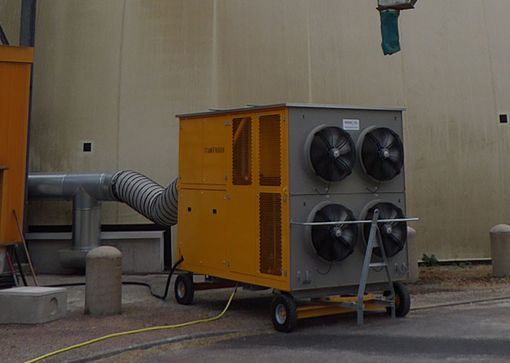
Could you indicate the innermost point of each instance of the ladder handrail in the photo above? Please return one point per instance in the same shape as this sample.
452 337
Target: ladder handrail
374 240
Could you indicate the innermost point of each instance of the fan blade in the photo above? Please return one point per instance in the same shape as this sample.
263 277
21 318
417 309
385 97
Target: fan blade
324 250
341 143
318 150
375 140
320 216
400 229
340 249
325 138
388 138
331 173
395 156
333 136
349 234
321 234
322 166
398 242
388 170
342 164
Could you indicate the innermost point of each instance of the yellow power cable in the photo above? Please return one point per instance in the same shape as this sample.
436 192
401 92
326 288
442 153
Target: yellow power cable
135 331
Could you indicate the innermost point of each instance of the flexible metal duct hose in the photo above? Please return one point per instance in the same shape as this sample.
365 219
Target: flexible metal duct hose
147 197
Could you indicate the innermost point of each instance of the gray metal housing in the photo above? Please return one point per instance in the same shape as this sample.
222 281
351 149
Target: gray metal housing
311 275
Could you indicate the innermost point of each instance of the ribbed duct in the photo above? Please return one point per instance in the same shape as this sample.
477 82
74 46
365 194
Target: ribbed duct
146 196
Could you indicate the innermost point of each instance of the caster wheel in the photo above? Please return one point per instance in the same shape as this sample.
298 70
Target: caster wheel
284 313
184 289
402 300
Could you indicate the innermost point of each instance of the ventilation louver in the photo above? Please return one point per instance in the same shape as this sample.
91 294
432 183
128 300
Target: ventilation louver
331 153
334 242
381 153
393 234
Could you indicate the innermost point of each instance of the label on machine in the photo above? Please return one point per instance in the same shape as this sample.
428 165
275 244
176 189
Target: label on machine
350 124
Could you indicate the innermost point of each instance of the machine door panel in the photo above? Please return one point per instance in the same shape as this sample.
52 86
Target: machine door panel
202 229
243 249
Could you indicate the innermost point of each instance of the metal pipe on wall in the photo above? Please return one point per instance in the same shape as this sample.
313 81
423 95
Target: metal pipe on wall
56 186
148 198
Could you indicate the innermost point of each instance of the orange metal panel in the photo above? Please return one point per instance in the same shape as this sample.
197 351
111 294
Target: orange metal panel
190 151
243 242
16 54
203 237
214 159
15 67
227 244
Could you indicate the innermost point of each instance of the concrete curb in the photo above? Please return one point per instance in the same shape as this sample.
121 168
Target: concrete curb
462 302
151 344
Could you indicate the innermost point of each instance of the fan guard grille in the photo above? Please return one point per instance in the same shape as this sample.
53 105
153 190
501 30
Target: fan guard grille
331 153
334 243
393 234
382 153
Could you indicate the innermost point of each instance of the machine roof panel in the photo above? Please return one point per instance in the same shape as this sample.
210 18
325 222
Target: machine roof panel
251 108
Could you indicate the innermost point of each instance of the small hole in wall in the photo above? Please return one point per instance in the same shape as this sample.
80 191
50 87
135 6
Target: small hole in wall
214 211
87 147
503 118
189 209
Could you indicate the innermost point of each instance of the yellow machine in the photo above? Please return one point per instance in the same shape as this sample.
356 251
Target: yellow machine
15 67
280 196
233 176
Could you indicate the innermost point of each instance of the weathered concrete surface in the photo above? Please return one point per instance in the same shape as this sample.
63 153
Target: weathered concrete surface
103 279
32 305
500 250
142 252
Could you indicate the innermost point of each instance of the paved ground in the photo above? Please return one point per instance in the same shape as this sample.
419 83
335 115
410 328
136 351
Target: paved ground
463 333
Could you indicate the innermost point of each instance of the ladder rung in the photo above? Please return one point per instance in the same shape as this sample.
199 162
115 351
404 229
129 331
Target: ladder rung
377 264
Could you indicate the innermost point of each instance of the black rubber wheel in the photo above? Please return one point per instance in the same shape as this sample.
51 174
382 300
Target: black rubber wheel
184 289
402 300
284 313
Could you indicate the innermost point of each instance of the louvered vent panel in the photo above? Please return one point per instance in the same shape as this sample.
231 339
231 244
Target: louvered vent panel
270 219
241 148
270 151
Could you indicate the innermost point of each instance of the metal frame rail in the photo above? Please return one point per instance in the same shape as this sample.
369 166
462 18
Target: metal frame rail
374 240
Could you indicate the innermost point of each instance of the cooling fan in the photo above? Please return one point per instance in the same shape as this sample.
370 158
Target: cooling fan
335 242
381 153
393 234
331 153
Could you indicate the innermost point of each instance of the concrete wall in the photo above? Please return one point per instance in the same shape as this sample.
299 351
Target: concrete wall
115 72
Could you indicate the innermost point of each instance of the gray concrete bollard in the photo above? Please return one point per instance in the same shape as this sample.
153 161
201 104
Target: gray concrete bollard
412 250
500 250
103 280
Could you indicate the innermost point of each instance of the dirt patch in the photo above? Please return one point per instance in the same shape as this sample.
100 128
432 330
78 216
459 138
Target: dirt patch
456 278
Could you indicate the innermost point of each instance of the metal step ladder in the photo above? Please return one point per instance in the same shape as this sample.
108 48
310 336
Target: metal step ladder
374 241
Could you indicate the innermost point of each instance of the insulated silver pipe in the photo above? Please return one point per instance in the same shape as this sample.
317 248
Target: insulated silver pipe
54 186
86 221
148 198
